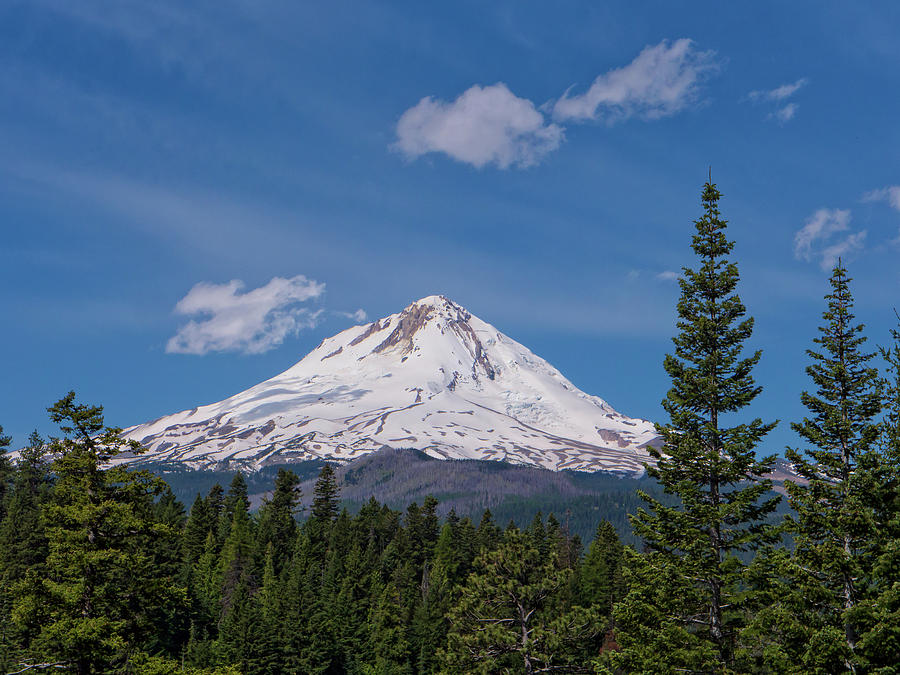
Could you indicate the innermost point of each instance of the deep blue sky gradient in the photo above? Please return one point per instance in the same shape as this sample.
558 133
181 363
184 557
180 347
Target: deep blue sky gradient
146 147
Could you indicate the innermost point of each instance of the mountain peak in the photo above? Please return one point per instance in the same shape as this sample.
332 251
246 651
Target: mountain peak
435 301
433 377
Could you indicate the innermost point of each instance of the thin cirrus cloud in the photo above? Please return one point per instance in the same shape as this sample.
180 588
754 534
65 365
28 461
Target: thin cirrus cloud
661 81
785 113
359 315
821 238
492 126
250 322
779 95
890 194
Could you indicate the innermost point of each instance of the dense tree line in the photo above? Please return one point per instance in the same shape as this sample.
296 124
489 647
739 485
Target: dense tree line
103 570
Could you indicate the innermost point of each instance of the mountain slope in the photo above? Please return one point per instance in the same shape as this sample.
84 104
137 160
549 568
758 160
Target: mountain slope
432 377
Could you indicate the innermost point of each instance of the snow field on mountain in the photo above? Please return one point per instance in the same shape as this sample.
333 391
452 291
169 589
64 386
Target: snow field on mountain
432 377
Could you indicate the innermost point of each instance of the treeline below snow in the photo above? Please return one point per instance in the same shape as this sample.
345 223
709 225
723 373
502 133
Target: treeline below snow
102 570
397 477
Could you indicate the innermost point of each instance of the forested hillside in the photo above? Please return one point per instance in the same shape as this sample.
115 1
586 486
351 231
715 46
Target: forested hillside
468 487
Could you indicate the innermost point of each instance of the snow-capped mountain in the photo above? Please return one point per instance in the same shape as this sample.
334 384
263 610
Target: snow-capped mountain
431 377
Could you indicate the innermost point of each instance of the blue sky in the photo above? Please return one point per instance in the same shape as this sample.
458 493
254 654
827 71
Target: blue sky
193 195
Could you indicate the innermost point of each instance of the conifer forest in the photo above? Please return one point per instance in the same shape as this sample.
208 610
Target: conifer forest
104 570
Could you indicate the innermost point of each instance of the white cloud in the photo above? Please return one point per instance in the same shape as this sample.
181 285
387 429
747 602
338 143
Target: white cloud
252 322
843 248
812 240
890 194
821 225
667 275
359 315
491 125
786 113
660 81
778 93
484 125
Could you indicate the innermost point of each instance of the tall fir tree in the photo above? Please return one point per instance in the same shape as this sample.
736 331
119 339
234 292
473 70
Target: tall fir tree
98 598
277 525
890 439
326 496
7 641
836 529
884 620
708 465
601 582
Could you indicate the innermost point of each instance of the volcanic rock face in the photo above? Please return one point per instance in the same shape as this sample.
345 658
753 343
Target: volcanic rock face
432 377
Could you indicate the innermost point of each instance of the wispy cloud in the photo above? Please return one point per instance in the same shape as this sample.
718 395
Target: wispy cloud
821 225
484 125
785 111
816 239
359 315
662 80
890 194
491 125
841 249
668 275
778 93
252 323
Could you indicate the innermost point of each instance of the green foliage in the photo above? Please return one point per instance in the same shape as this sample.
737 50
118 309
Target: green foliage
513 614
838 525
601 580
277 524
890 441
101 592
711 469
325 496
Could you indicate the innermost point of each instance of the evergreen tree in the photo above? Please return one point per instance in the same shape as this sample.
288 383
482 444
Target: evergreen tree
836 530
6 471
236 561
277 524
709 468
326 496
389 648
23 542
96 602
8 642
537 534
890 441
215 504
880 640
235 500
196 530
601 579
512 615
487 534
